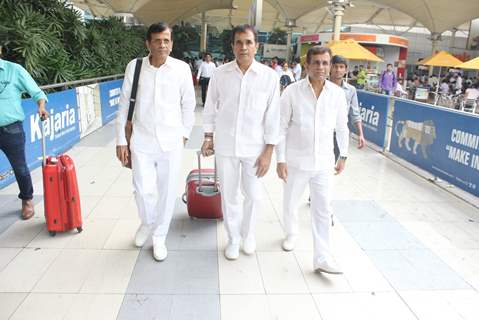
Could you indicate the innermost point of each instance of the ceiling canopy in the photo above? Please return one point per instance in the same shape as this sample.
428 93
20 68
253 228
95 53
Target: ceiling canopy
310 15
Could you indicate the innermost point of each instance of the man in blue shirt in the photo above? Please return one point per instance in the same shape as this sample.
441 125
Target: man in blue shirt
15 80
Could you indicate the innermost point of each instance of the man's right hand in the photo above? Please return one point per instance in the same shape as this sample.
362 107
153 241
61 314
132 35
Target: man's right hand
282 171
122 154
207 149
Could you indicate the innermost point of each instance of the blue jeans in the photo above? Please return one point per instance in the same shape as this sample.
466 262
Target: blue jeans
12 143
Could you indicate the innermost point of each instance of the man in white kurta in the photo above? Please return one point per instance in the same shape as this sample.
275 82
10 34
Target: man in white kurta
242 111
162 122
311 110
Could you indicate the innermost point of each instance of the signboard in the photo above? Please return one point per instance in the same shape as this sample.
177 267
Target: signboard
109 98
89 109
374 111
440 141
61 129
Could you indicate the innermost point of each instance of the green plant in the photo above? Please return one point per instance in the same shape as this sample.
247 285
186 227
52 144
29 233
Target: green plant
50 40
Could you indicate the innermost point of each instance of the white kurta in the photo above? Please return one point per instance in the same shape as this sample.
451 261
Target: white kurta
164 114
306 145
243 112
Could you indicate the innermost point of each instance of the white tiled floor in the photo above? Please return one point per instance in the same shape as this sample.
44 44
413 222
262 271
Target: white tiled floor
86 275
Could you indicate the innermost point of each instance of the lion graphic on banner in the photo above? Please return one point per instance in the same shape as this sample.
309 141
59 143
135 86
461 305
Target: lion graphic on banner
423 134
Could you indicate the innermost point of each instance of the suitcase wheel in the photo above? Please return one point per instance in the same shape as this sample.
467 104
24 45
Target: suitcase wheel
183 198
79 229
52 233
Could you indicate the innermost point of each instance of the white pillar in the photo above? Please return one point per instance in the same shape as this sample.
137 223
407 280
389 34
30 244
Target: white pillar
452 43
290 24
256 13
288 45
435 38
338 12
204 32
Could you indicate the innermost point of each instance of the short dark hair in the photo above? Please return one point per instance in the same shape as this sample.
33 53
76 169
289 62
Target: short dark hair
156 28
208 54
244 28
314 50
337 59
389 64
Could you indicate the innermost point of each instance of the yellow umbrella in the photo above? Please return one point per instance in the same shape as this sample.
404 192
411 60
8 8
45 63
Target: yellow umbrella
471 64
352 50
441 59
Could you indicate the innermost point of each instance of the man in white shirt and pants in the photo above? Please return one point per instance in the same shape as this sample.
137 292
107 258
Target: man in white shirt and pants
242 111
162 122
311 110
204 75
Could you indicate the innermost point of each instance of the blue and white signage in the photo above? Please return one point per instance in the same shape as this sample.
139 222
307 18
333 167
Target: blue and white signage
441 141
110 96
61 131
374 113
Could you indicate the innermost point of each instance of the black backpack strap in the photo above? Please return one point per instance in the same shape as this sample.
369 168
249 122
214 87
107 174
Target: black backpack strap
134 88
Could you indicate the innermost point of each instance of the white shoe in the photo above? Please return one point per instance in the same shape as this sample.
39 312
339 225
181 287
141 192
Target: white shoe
249 245
288 243
159 251
142 235
327 266
232 251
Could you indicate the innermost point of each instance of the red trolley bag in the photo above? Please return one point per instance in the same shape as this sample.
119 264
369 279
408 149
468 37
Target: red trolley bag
60 192
202 196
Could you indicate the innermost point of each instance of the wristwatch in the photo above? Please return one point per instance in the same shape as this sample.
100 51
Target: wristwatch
342 158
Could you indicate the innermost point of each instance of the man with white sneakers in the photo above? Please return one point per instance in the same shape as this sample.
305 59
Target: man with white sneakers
311 110
242 112
162 121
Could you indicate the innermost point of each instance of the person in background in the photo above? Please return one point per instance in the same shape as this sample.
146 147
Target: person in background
204 75
472 93
361 78
387 81
14 81
339 67
286 77
444 88
297 70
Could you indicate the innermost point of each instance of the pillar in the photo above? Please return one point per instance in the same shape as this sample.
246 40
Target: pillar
204 32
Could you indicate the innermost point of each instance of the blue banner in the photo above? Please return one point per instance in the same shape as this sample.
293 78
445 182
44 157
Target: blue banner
374 112
109 97
441 141
61 129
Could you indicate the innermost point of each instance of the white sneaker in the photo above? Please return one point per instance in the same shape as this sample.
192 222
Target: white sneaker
249 245
232 251
288 243
159 251
142 235
327 266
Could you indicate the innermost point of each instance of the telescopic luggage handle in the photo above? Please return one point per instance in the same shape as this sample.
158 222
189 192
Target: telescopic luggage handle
44 148
200 182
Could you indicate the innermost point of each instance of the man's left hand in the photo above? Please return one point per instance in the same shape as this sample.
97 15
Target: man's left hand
339 166
262 163
361 142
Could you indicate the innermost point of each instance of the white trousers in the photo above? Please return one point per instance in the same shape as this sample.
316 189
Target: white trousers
321 185
155 178
238 175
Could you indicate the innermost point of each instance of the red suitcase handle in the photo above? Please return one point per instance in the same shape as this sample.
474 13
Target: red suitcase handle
198 153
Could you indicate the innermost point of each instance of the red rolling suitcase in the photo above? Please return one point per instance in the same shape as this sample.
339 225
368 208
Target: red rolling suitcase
60 192
202 195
